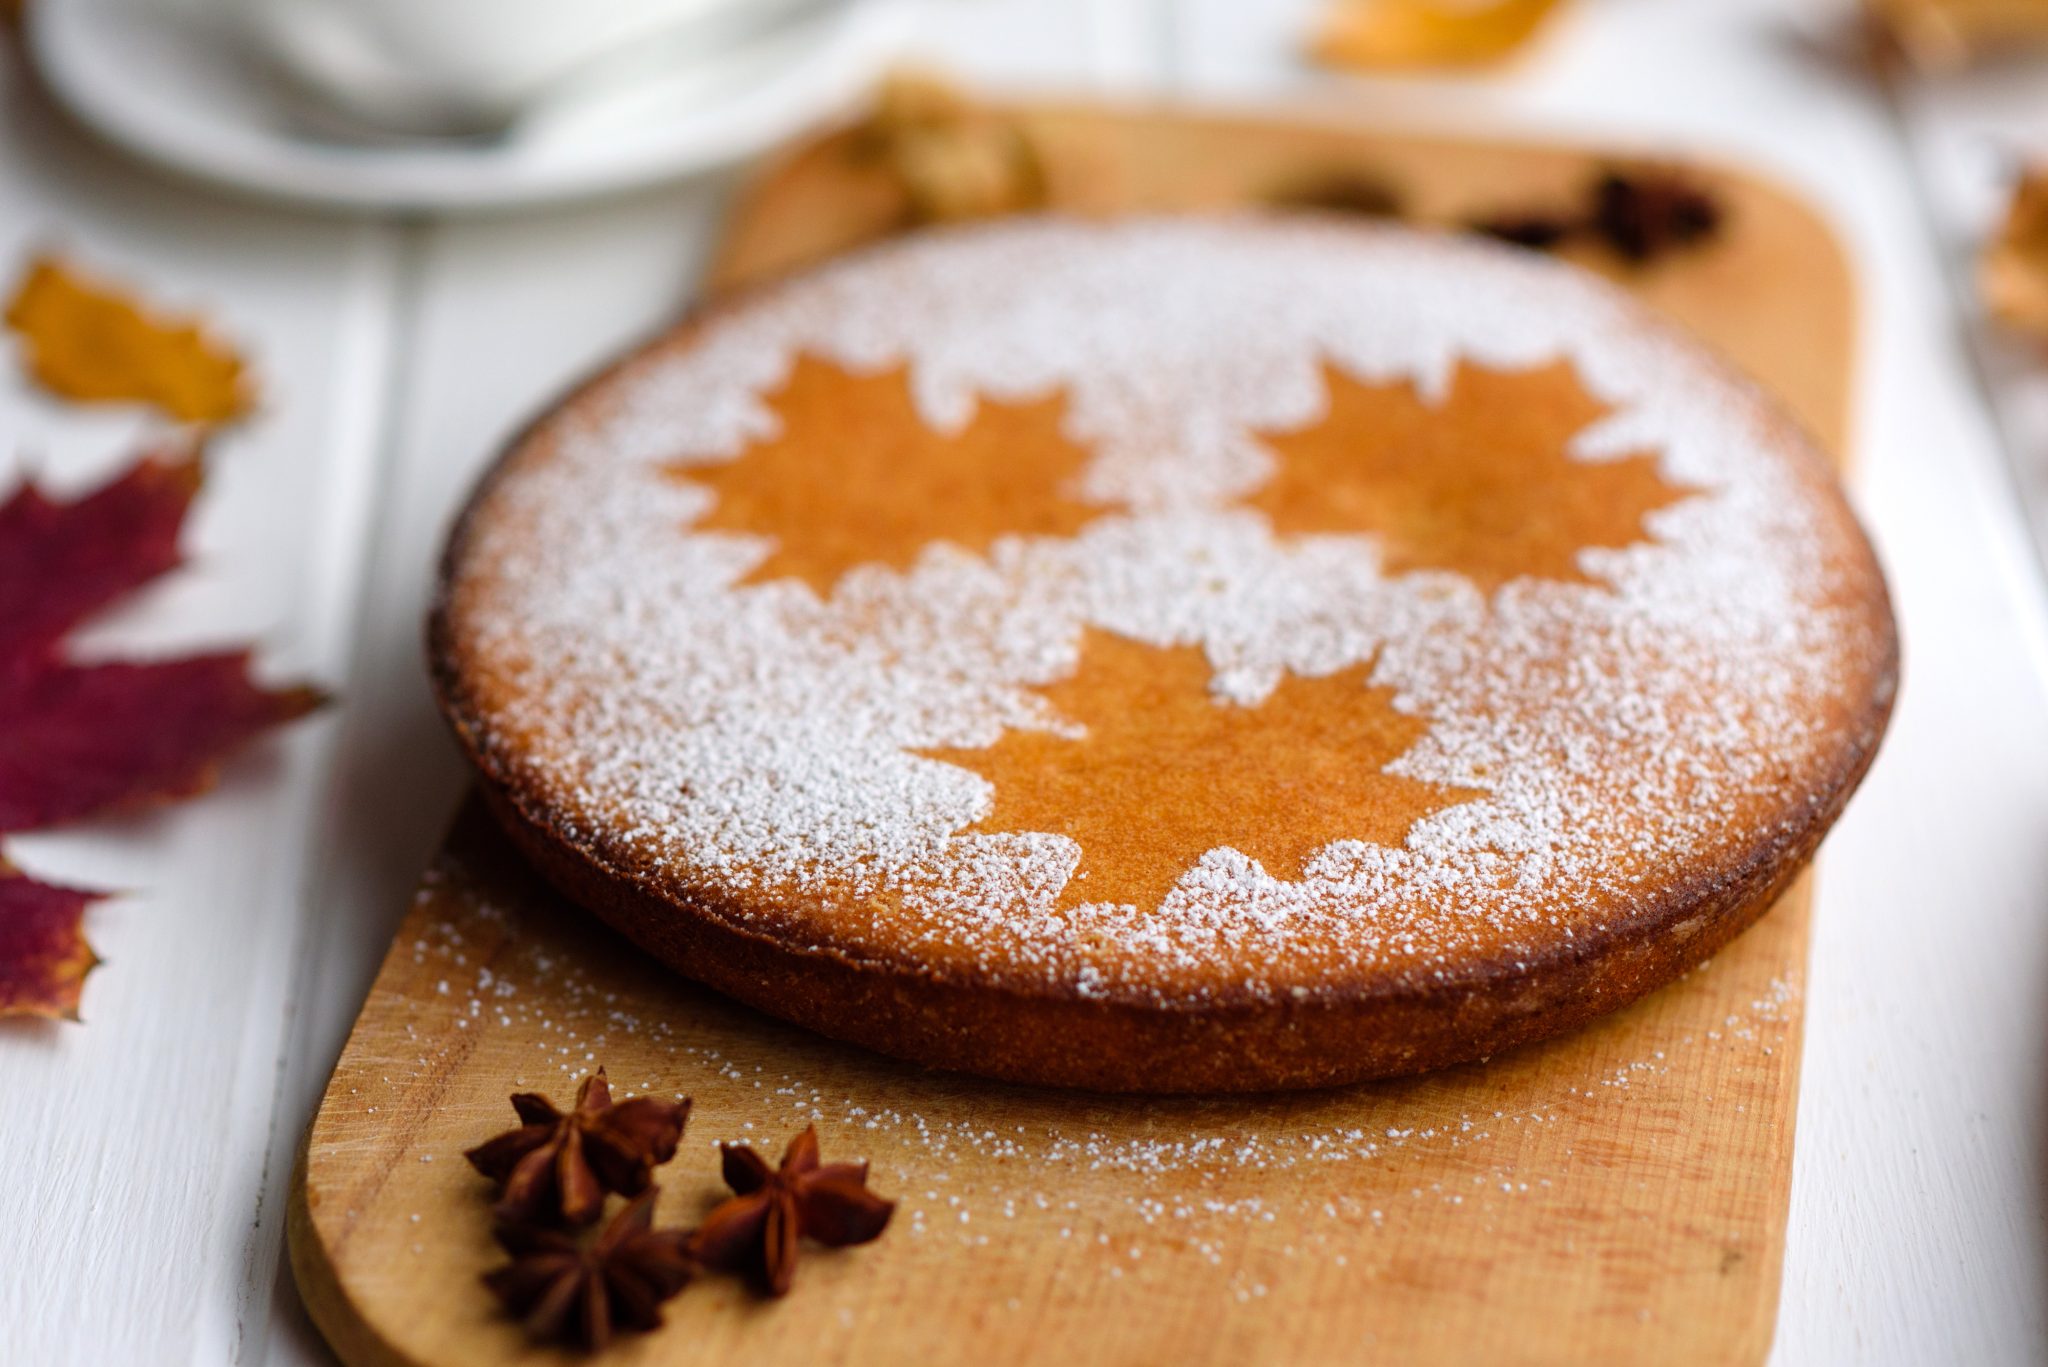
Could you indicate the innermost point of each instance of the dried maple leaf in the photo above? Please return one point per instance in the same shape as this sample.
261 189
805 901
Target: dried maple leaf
952 158
79 738
89 342
563 1287
82 739
2012 275
61 562
757 1231
1481 484
43 954
559 1166
1276 781
1393 34
855 476
76 739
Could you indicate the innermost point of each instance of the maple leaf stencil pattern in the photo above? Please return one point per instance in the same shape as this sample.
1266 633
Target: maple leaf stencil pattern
1276 781
1481 484
855 476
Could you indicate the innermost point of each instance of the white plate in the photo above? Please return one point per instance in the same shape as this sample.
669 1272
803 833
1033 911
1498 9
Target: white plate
169 91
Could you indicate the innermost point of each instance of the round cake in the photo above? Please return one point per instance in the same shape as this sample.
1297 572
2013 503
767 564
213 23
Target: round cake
1169 655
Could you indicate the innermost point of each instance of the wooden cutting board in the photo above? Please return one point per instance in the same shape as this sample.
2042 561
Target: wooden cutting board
1616 1195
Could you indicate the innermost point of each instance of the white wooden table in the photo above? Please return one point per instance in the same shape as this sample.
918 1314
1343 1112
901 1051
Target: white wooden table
144 1155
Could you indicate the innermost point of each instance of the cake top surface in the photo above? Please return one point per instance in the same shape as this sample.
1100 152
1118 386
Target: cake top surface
1170 608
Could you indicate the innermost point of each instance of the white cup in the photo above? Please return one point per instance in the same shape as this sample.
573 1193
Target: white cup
470 66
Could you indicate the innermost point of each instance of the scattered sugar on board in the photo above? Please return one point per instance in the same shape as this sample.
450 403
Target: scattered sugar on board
760 739
1184 1192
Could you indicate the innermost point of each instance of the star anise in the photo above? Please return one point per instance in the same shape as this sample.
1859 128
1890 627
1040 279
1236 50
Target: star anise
559 1166
1641 214
1645 214
563 1287
756 1231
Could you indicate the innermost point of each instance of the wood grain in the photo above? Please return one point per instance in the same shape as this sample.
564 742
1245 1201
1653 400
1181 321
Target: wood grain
1614 1194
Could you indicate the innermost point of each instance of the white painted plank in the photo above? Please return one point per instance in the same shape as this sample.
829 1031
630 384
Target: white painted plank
138 1139
1916 1234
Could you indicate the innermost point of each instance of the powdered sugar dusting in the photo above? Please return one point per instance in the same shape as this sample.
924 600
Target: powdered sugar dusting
759 739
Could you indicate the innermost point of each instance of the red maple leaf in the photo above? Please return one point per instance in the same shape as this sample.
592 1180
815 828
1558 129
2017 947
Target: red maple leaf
43 956
77 739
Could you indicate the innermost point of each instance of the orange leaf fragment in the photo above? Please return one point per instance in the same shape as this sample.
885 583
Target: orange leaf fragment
43 954
90 342
2012 275
1409 34
953 158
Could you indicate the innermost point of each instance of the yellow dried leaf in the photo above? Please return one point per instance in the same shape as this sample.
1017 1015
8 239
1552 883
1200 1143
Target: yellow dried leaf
2012 275
1946 35
917 97
1392 34
90 342
954 159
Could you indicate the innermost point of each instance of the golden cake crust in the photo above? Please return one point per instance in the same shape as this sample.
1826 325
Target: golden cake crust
1606 680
